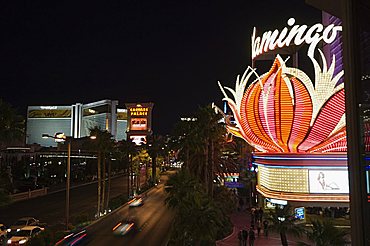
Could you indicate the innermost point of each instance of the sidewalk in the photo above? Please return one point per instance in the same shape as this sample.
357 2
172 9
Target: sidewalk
242 220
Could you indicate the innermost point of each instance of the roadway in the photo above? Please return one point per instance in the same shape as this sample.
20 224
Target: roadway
154 221
50 208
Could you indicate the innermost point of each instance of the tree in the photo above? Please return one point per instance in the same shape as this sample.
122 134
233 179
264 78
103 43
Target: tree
126 151
109 159
283 221
12 125
182 141
182 185
12 128
201 140
324 233
5 188
141 158
208 131
155 148
198 220
225 199
102 144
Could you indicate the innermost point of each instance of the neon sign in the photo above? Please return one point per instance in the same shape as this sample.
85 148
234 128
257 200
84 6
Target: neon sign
283 110
297 34
140 111
299 213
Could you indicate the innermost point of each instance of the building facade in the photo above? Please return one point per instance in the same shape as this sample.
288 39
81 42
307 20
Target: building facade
294 120
75 121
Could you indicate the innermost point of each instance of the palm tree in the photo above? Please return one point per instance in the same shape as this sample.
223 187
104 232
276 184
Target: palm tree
182 142
182 184
155 148
12 128
142 157
126 151
225 199
283 221
203 138
102 144
5 188
213 133
109 181
324 233
12 125
197 220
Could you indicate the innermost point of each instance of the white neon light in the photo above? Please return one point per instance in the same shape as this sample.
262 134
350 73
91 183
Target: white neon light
325 181
297 34
277 201
301 167
48 107
299 158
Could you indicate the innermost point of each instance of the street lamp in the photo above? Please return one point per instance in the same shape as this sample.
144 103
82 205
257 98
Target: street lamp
60 137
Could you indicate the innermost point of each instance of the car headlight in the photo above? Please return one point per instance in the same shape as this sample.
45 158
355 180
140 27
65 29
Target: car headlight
22 241
9 241
8 230
18 229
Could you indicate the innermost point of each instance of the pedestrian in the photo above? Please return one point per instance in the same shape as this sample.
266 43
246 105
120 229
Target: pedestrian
265 227
252 222
256 215
253 209
261 214
240 238
258 227
252 236
244 237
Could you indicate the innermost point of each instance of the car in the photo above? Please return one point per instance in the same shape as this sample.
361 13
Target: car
124 227
77 237
22 222
3 233
136 202
23 235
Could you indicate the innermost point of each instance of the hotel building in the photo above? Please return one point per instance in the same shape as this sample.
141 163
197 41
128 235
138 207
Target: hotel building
75 121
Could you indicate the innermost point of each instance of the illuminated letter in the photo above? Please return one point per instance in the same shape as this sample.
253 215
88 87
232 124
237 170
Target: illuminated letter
280 41
255 44
268 41
325 34
313 40
299 39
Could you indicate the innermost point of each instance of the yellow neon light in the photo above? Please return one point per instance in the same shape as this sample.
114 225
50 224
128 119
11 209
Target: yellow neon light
302 197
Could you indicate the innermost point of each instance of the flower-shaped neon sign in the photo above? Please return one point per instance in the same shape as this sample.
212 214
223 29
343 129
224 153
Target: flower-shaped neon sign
283 111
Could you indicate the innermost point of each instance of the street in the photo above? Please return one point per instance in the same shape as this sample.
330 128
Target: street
154 221
50 209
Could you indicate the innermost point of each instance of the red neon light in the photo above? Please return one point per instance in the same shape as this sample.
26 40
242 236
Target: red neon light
330 115
277 114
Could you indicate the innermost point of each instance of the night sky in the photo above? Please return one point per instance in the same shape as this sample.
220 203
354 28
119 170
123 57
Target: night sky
171 53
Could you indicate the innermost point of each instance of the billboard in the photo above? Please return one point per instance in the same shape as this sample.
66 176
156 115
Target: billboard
328 181
299 213
139 121
138 140
139 124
